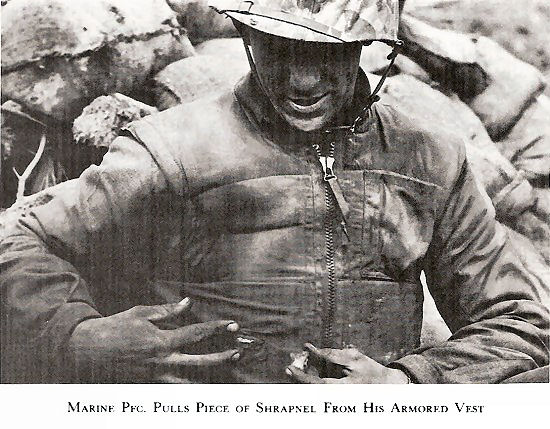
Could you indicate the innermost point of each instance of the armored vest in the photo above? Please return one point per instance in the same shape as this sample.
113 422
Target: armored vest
262 240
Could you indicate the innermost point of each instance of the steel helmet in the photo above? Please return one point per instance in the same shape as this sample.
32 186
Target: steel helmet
335 21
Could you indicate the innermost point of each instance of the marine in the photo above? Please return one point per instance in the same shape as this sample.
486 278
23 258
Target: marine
218 237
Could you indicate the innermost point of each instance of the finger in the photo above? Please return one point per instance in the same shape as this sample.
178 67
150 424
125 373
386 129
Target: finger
303 377
165 312
336 356
212 359
172 379
200 331
329 355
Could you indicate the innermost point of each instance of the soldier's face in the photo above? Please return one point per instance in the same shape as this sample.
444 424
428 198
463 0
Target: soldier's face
307 83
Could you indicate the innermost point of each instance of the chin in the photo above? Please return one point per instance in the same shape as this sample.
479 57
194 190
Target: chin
307 124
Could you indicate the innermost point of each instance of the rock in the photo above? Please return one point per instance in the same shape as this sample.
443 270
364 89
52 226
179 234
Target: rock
510 193
496 85
58 56
527 146
202 22
101 121
194 77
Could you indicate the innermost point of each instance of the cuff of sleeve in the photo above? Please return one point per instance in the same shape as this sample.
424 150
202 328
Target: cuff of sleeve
418 368
55 336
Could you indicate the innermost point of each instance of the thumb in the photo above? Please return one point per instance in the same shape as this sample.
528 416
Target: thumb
334 356
165 312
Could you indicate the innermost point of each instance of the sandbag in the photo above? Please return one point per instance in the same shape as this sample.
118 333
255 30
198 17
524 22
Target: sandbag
521 27
536 230
101 121
510 193
527 146
534 263
374 58
542 206
202 22
194 77
513 88
449 57
496 85
405 65
231 47
57 56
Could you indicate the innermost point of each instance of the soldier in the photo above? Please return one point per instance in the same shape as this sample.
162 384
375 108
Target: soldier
295 205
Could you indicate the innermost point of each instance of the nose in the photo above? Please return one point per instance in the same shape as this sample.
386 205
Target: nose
305 75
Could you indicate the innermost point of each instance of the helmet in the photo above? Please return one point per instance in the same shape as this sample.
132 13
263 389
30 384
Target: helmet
335 21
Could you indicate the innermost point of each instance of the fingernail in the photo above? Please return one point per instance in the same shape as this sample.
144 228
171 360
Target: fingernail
233 327
184 301
236 356
288 371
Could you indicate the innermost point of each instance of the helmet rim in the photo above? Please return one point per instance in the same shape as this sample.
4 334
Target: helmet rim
372 20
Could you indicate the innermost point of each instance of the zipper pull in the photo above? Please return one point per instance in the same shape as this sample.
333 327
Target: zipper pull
327 162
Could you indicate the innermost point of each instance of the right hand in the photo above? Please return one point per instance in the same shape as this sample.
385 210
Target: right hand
132 346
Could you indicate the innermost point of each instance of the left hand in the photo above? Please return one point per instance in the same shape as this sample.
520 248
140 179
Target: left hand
354 368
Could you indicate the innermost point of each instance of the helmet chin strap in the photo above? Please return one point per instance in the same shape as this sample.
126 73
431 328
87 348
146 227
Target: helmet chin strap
373 97
253 65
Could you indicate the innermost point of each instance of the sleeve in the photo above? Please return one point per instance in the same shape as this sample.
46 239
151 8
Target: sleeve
43 294
491 304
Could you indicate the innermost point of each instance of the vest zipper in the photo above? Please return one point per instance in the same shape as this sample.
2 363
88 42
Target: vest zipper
330 296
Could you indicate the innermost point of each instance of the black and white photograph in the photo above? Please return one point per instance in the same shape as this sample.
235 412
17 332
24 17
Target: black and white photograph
267 192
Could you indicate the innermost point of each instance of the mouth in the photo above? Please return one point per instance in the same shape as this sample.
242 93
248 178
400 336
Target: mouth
307 104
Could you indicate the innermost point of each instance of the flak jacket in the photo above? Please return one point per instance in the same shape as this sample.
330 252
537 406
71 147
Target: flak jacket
219 201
